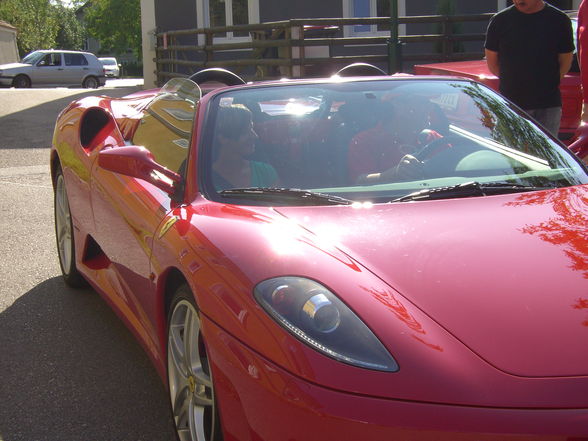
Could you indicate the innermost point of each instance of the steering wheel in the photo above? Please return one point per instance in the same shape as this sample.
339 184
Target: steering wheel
424 162
437 144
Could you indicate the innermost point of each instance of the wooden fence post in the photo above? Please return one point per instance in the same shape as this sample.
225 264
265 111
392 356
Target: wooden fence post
447 38
208 44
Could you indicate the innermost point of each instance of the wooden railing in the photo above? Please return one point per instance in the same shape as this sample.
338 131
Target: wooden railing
281 48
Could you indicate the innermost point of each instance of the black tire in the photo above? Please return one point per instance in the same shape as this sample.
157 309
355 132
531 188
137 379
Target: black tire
90 83
64 234
189 377
21 82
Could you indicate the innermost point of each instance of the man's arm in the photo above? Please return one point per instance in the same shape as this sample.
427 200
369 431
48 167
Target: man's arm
565 62
492 62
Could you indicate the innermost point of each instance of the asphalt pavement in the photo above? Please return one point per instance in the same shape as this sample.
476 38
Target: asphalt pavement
69 369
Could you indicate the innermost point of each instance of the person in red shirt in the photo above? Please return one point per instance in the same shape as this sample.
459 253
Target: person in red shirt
402 129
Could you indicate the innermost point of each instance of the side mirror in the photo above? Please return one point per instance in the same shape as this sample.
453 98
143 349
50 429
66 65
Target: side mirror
42 63
579 144
138 162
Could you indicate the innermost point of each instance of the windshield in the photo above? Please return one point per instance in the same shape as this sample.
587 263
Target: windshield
33 57
108 61
376 140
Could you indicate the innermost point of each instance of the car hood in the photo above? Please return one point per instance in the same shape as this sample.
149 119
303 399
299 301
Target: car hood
19 66
506 275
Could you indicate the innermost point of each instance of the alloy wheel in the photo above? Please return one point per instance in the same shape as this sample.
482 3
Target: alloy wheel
190 381
63 229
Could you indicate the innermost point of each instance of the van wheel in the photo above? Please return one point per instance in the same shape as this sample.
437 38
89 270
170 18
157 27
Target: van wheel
90 83
21 82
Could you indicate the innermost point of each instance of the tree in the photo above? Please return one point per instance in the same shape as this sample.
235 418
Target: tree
116 24
70 32
42 24
35 20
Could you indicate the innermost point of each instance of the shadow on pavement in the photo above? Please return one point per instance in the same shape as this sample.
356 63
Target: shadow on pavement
32 127
70 370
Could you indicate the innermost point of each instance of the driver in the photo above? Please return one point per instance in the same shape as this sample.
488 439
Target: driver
374 155
235 143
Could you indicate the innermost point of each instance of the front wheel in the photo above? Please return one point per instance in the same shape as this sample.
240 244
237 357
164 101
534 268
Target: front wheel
21 82
191 389
64 234
90 83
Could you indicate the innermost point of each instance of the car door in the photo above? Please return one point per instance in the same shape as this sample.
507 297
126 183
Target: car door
48 71
76 67
128 211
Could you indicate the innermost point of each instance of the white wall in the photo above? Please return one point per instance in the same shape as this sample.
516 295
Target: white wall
148 37
8 48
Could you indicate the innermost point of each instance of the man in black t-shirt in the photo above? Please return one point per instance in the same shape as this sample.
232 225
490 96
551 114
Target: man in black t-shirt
530 46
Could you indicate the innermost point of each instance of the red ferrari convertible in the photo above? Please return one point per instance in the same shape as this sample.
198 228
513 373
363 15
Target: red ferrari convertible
353 258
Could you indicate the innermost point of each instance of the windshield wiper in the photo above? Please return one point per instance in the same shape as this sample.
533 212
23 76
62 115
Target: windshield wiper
304 197
467 189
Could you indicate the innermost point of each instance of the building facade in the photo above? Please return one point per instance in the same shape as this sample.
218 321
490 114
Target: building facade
8 47
168 15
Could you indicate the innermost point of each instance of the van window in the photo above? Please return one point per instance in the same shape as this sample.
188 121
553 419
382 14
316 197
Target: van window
53 59
75 60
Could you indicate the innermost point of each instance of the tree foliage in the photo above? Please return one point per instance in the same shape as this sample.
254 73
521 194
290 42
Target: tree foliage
71 32
34 20
42 24
116 24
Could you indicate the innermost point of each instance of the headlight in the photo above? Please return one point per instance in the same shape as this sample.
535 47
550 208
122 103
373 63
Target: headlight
317 317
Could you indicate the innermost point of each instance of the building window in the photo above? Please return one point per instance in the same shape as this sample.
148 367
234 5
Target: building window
371 8
212 13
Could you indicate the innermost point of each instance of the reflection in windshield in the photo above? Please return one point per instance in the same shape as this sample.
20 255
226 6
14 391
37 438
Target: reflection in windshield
505 126
108 61
33 58
380 140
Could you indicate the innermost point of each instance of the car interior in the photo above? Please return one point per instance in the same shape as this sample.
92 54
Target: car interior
305 134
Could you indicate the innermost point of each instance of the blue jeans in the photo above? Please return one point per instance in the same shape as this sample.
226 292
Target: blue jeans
549 118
